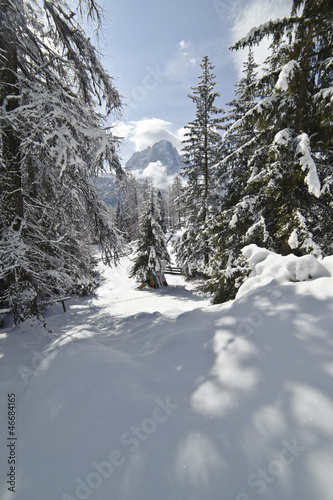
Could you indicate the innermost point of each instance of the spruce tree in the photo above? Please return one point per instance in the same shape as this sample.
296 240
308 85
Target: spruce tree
176 209
227 268
239 139
201 148
128 206
163 211
152 255
52 142
290 170
286 203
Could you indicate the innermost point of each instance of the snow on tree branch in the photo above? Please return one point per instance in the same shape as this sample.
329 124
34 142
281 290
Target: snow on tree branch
257 33
307 164
286 75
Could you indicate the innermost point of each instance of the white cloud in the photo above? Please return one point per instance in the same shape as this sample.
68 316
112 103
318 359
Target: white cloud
156 173
121 129
147 132
183 63
253 13
184 45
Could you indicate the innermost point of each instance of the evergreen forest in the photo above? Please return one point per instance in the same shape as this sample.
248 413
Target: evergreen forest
259 171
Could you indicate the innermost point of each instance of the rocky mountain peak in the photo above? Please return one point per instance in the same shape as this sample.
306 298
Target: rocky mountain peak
163 152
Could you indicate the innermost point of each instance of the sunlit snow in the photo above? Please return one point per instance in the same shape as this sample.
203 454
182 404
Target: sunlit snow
144 394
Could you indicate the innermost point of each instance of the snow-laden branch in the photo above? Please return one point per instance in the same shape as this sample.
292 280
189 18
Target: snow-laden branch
324 94
283 137
258 33
286 74
308 165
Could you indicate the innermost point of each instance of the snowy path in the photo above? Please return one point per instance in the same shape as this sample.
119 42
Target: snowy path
145 395
120 296
118 301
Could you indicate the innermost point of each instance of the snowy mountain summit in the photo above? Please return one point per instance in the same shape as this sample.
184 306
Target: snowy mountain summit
162 152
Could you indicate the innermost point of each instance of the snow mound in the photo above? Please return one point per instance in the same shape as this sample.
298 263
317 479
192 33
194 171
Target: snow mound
267 266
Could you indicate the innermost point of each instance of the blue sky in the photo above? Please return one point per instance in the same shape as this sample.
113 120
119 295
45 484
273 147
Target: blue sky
154 50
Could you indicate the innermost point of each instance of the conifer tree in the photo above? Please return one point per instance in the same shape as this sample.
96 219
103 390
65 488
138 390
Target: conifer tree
290 170
152 255
176 209
52 142
201 150
286 203
239 139
227 268
128 206
163 211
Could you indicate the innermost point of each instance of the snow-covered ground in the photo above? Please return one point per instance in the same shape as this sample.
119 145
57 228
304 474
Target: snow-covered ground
156 394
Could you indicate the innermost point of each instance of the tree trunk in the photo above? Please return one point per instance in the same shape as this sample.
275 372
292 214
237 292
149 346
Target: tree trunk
20 293
304 63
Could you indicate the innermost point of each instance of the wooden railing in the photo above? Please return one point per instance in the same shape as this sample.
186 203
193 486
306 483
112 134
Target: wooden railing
173 270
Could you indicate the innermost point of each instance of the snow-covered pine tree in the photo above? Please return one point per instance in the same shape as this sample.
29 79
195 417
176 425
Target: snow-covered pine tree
52 142
163 211
201 148
239 139
152 254
176 210
287 203
226 268
145 191
128 190
291 170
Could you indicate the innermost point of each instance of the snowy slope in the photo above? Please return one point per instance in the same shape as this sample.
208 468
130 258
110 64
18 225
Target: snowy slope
139 395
